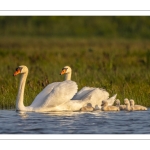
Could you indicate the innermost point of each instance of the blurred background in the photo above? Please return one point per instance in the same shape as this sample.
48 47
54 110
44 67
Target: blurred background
76 26
110 52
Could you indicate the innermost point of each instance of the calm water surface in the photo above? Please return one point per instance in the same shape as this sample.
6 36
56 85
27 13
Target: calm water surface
98 122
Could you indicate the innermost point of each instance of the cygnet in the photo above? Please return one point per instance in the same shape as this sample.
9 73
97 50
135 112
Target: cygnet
136 107
105 107
127 103
121 107
87 108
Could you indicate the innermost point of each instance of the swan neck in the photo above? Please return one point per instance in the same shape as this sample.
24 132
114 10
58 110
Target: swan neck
133 103
128 107
20 96
68 76
118 104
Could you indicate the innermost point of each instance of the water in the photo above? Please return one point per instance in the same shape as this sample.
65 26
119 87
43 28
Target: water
98 122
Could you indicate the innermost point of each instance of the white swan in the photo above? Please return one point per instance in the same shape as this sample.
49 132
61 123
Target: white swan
136 107
127 103
90 94
105 107
51 96
121 107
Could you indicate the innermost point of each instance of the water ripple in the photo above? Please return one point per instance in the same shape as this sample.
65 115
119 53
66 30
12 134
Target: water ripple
97 122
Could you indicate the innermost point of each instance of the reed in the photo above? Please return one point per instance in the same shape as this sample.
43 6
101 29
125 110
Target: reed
118 65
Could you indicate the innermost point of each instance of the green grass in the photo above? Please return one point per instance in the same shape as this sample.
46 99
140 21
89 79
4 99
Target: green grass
120 66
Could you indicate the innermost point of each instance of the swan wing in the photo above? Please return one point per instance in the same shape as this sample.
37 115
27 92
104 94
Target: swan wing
91 97
95 97
84 91
111 100
72 105
60 94
40 98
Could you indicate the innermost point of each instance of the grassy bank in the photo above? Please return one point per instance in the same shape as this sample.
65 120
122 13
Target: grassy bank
119 65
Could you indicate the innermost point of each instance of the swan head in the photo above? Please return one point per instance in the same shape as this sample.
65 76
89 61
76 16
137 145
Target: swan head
126 101
104 103
131 102
20 70
117 102
89 104
66 70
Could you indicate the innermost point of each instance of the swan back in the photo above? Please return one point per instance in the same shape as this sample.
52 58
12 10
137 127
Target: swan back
41 97
96 96
82 93
61 93
90 92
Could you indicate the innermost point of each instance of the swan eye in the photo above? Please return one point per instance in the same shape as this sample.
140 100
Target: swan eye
64 69
17 69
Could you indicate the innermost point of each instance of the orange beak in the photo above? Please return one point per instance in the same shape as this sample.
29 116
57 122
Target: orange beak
16 72
63 72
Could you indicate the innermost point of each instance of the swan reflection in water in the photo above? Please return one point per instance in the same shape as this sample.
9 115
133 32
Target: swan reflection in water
64 113
96 113
70 113
23 114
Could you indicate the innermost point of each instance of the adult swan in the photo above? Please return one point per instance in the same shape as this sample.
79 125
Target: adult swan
92 95
51 96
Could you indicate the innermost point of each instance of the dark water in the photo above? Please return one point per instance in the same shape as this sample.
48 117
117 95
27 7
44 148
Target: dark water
98 122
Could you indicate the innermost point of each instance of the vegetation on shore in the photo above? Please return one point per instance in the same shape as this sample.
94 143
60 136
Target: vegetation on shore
117 59
119 66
